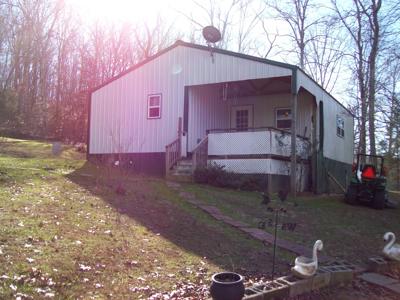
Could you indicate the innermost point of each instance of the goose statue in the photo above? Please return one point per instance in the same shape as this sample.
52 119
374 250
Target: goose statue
391 250
305 267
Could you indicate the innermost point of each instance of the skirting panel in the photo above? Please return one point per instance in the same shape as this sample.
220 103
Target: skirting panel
341 171
147 163
266 166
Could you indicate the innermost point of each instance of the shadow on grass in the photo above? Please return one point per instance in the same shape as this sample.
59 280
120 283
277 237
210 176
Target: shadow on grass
151 203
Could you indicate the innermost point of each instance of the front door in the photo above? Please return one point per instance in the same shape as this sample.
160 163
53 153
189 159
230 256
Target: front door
242 117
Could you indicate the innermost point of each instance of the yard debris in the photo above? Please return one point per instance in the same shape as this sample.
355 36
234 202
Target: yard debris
132 263
20 296
49 295
82 267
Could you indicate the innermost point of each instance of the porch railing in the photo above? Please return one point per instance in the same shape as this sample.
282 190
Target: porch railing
172 154
200 154
255 142
173 151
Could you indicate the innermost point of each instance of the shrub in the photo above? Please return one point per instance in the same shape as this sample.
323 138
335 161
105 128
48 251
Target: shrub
216 175
209 174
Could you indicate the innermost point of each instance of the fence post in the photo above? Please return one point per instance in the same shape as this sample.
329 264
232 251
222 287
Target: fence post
179 137
166 160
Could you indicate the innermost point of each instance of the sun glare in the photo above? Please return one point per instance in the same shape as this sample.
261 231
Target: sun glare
121 10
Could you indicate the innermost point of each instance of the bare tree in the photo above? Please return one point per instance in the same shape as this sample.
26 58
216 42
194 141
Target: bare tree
368 28
218 14
325 54
296 14
151 39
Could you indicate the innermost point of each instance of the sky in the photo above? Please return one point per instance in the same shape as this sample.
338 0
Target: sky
140 11
125 10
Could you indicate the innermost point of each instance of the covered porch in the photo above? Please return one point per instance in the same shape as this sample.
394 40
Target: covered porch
245 126
246 105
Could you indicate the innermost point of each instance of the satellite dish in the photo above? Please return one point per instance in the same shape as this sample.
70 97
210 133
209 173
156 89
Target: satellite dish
211 34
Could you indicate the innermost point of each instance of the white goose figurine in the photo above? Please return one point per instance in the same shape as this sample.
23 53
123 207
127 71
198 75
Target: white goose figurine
391 250
305 267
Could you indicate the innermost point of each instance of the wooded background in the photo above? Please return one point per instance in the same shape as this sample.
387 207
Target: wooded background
50 58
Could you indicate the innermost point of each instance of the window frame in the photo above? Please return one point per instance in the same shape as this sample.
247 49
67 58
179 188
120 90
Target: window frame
239 121
286 118
234 108
339 131
159 95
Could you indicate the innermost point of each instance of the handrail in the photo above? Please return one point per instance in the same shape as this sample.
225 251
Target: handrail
200 154
173 150
172 154
252 129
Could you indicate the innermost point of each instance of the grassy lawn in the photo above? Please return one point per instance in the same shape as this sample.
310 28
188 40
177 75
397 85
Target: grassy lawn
353 233
66 234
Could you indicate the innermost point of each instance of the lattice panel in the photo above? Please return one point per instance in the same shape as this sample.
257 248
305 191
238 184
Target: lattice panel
239 143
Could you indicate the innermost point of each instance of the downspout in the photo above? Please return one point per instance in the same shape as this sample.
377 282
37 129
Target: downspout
293 187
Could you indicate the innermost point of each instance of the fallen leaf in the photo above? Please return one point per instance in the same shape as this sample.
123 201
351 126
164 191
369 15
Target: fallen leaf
13 287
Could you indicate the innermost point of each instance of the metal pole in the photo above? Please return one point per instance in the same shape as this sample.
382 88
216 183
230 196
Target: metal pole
293 188
275 234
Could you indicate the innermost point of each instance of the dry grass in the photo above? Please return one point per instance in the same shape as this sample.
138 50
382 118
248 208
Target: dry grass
65 233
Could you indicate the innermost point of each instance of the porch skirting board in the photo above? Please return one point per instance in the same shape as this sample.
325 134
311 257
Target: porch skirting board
152 163
257 156
340 170
263 166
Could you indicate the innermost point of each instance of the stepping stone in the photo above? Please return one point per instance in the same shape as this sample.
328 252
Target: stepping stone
194 202
378 279
256 233
383 281
236 224
210 209
394 287
173 185
187 195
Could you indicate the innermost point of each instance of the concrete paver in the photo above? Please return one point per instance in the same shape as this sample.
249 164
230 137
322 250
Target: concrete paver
382 280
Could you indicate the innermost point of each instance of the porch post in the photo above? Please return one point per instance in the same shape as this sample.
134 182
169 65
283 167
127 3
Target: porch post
293 135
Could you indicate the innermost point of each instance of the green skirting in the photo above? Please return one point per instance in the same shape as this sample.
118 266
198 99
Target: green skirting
341 171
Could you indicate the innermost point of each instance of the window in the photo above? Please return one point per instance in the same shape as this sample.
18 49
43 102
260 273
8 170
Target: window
283 118
340 126
242 119
154 106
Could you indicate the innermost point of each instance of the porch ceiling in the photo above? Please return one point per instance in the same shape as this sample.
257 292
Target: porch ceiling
254 87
